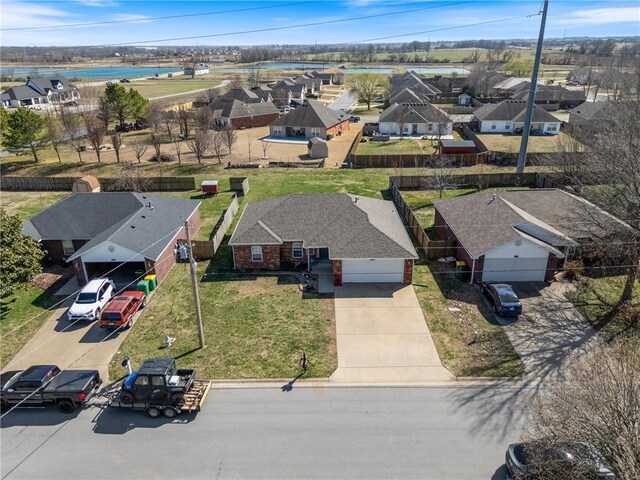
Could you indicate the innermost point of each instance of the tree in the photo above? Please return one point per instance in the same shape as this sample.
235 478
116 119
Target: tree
521 67
131 179
95 131
4 122
19 255
139 148
25 129
54 133
367 86
230 137
597 403
116 141
125 104
201 144
183 117
265 148
103 113
138 105
217 143
73 131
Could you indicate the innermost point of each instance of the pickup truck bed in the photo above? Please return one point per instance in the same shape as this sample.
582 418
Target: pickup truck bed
70 381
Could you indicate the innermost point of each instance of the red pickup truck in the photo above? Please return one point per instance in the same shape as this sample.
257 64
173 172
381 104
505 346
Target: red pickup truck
121 309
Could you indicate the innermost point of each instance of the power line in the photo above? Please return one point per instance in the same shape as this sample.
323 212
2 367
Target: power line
288 27
146 19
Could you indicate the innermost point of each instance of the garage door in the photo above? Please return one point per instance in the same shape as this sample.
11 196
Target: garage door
375 270
514 269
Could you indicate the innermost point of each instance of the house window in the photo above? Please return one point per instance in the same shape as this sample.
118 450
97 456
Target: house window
494 125
67 247
552 127
256 253
297 251
507 126
315 132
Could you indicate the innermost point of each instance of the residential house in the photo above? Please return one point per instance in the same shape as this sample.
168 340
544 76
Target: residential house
552 97
243 94
407 95
263 92
125 231
236 115
361 239
286 88
327 78
508 117
313 85
311 119
414 119
590 113
415 82
40 91
510 85
200 69
516 235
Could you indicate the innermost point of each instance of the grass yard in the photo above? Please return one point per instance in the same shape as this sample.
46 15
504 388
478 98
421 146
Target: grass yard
507 143
438 290
255 327
170 86
421 202
404 146
211 208
597 299
27 204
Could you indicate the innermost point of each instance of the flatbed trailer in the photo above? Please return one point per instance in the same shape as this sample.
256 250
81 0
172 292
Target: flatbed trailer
194 399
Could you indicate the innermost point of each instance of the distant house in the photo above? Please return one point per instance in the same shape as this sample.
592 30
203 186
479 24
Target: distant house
590 113
40 91
327 78
313 84
243 94
311 119
297 91
414 119
121 231
580 75
235 114
359 239
407 95
200 69
509 86
508 117
552 97
263 92
415 82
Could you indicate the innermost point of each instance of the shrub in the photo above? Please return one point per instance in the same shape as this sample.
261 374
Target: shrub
573 269
164 157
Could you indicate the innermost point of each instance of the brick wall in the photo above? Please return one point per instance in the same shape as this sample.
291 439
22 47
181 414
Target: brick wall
77 266
270 258
255 121
286 254
408 272
55 251
341 127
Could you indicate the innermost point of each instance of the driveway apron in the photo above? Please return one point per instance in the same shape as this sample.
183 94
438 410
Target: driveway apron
382 337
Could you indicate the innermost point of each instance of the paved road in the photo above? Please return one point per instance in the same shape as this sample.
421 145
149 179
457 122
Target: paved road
344 101
382 337
315 432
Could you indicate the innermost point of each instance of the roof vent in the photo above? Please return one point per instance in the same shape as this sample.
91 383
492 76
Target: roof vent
133 226
355 200
493 197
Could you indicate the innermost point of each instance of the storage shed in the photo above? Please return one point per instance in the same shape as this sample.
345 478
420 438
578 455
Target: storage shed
318 148
464 99
210 187
87 184
456 146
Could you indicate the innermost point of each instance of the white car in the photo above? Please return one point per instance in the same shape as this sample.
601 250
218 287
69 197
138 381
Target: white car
91 300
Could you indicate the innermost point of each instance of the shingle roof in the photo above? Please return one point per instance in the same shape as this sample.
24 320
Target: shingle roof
481 222
311 114
370 228
513 111
407 95
243 94
124 218
591 110
51 83
457 143
414 113
413 81
551 93
20 92
230 108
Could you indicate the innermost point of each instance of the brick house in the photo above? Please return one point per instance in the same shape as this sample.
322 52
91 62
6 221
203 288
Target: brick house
121 231
311 119
236 114
515 235
361 239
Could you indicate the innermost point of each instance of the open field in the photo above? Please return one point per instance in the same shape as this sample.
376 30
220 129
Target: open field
27 204
509 143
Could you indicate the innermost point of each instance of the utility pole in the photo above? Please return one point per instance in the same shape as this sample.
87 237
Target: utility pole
194 284
522 156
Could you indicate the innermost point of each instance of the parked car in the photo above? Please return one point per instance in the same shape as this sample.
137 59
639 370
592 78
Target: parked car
580 460
312 95
124 127
44 384
503 299
125 80
91 300
354 119
120 310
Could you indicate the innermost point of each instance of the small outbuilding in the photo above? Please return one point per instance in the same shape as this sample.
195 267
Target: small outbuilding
456 146
86 184
464 99
318 148
210 187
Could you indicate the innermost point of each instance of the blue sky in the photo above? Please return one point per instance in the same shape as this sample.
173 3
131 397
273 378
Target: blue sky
576 18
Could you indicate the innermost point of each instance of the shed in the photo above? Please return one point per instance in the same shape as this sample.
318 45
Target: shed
464 99
87 184
210 187
456 146
318 148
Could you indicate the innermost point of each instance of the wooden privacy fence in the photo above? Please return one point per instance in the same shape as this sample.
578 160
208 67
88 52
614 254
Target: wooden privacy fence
206 249
62 184
469 134
473 180
416 160
432 249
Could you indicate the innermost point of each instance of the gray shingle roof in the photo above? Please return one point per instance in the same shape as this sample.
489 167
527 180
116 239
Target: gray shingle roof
415 82
123 218
51 83
457 143
243 94
370 228
591 110
414 113
20 93
406 95
551 93
311 114
513 111
230 108
482 223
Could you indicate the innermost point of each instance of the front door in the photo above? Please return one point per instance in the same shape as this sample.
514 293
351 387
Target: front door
414 130
324 254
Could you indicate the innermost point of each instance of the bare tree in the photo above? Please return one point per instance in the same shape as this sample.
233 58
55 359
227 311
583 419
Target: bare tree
73 131
598 404
155 140
204 118
139 148
103 113
441 178
95 131
131 179
183 117
366 86
201 143
217 143
116 141
230 137
54 132
265 147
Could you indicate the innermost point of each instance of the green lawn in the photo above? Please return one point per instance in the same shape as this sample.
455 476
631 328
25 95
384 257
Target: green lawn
421 202
507 143
27 204
438 290
255 327
169 86
597 299
401 146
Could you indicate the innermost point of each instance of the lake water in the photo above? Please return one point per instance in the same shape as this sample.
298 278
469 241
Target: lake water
348 71
440 70
270 65
98 72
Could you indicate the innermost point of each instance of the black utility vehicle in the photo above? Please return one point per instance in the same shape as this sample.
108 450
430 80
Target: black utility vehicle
43 384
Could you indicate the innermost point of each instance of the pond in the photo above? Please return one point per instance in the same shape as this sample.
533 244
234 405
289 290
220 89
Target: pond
348 71
97 72
440 70
278 65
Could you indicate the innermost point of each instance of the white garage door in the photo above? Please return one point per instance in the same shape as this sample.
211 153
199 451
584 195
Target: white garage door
375 270
514 269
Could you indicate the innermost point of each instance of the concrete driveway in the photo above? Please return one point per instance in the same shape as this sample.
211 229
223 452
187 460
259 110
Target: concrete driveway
70 345
548 330
382 337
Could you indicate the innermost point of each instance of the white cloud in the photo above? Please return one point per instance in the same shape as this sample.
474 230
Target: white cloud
600 16
131 18
97 3
27 15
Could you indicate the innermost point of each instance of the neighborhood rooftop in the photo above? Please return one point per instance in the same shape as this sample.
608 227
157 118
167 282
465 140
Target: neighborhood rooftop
513 110
312 114
350 226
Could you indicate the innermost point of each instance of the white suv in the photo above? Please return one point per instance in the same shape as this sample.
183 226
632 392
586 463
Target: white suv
91 300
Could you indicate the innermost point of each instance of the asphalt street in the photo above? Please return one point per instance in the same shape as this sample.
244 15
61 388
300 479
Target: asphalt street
284 432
